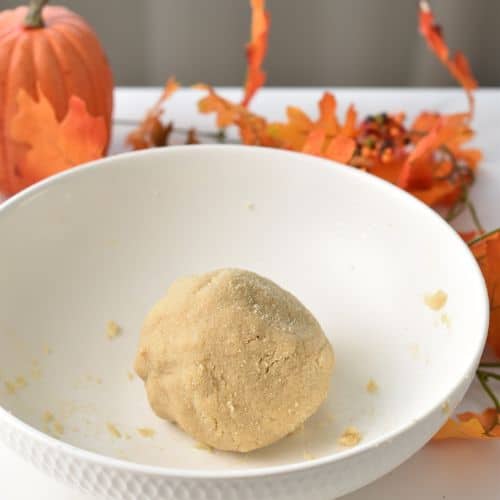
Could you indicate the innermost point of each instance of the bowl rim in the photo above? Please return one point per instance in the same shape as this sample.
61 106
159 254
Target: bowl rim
256 472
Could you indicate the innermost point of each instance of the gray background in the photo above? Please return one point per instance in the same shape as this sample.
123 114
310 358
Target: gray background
313 42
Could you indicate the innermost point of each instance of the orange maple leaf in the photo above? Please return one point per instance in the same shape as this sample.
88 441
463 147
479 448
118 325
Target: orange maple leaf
226 111
341 148
252 127
256 50
418 172
151 132
296 132
328 114
350 124
457 65
314 142
486 249
471 425
46 146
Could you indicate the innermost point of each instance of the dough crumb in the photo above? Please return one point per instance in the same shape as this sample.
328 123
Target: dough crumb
436 300
205 447
128 437
130 376
112 429
350 437
308 456
10 387
445 320
251 206
21 382
36 373
146 432
372 386
113 329
98 381
445 408
58 428
47 350
48 417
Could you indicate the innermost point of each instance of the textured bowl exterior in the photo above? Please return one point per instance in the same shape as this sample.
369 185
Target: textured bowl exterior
115 480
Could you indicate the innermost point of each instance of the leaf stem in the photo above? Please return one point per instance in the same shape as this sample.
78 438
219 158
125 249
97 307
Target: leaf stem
488 374
483 380
489 365
483 236
474 216
455 210
459 206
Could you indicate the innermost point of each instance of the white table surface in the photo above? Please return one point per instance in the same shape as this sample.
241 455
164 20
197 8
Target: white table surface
453 470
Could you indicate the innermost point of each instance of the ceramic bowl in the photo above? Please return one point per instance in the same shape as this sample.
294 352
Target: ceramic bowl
103 242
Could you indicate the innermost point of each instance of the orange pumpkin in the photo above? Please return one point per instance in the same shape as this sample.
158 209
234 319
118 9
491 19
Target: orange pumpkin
54 49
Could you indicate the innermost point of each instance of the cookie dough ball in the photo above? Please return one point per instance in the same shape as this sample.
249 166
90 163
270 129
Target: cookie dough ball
233 359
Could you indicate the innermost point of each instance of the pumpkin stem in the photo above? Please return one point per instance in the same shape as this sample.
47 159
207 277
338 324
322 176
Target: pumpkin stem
33 19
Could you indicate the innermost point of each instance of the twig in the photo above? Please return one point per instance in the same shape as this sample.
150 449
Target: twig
487 364
207 134
482 377
474 216
483 236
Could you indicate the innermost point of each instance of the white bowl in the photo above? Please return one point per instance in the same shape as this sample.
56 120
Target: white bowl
104 241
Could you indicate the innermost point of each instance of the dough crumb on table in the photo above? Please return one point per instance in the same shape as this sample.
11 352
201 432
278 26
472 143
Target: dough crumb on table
350 437
308 456
113 329
436 300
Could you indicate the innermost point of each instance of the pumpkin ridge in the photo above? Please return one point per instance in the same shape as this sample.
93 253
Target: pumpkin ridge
50 44
5 177
83 62
81 28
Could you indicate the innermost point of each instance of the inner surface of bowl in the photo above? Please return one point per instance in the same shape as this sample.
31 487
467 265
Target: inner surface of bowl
103 244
